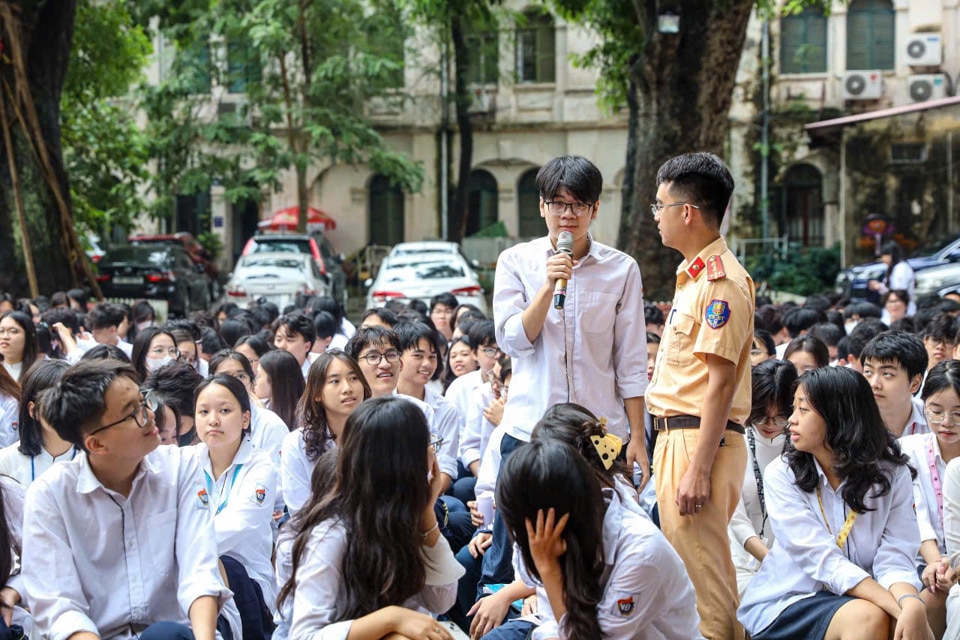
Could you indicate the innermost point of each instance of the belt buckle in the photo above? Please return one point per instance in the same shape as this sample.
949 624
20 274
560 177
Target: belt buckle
660 424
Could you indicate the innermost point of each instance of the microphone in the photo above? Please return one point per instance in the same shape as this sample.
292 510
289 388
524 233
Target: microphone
564 245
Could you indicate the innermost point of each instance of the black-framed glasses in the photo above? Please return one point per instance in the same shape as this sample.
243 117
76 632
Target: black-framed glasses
558 208
655 208
490 352
373 358
436 443
148 401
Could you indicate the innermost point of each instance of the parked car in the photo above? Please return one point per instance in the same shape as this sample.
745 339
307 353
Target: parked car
419 276
91 246
190 244
316 245
276 277
429 248
853 281
161 272
939 279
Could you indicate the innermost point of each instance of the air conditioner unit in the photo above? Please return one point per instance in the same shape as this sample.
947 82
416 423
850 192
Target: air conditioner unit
862 85
924 50
481 101
923 87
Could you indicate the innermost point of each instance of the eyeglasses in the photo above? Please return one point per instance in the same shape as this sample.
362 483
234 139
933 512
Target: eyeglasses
557 208
13 332
173 352
490 352
436 443
655 208
936 416
780 422
148 401
373 358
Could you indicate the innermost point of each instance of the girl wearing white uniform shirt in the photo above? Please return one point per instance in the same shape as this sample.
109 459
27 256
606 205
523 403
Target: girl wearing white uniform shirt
9 408
18 343
751 536
39 446
840 502
899 275
335 387
241 484
369 561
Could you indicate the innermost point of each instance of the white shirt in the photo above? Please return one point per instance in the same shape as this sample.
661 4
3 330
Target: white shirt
241 501
316 600
284 569
461 389
921 447
882 544
487 475
593 352
9 420
748 519
951 512
917 422
99 562
13 369
25 469
447 458
296 471
307 362
646 591
13 495
347 328
267 431
447 424
477 429
901 277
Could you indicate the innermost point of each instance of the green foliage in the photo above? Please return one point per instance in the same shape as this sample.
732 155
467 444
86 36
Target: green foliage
802 271
104 151
212 243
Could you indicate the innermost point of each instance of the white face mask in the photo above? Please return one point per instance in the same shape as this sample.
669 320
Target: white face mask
143 325
153 363
850 325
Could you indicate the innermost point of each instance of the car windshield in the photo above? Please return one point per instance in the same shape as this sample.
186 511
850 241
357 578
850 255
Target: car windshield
138 254
272 263
428 271
933 246
281 246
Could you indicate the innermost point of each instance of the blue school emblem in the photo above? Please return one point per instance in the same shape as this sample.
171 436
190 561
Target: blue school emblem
718 313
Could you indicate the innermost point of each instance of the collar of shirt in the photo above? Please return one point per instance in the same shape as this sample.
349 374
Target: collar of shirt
243 456
918 421
825 482
549 249
699 264
87 481
613 521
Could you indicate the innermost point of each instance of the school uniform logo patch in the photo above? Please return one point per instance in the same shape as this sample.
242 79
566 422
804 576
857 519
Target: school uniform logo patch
625 606
203 500
718 313
260 493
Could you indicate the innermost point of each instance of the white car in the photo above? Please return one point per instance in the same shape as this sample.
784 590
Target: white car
420 276
425 248
275 277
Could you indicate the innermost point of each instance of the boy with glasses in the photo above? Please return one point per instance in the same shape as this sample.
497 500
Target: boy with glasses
115 542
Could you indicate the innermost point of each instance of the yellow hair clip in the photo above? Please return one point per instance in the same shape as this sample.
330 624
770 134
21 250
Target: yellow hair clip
608 448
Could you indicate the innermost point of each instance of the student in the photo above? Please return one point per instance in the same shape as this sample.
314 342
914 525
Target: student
335 388
441 313
831 335
605 569
751 535
940 339
895 303
296 334
326 327
378 316
841 503
267 429
18 343
460 361
175 384
187 347
930 453
280 384
154 348
253 348
807 352
894 363
9 408
369 561
420 347
103 322
116 544
763 347
898 276
241 486
39 447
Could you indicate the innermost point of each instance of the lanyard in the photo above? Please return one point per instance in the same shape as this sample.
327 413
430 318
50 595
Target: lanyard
224 499
752 439
847 526
33 465
935 477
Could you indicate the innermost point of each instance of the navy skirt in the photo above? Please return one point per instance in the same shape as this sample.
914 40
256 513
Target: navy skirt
807 618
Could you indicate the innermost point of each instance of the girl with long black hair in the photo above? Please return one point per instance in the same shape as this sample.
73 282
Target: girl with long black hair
840 503
369 560
18 343
603 570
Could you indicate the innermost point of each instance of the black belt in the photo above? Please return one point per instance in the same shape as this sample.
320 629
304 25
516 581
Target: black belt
688 422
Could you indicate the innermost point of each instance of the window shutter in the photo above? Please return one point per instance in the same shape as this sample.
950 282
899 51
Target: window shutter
791 38
859 37
884 40
546 54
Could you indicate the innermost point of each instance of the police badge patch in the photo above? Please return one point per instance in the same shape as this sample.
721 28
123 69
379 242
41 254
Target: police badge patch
718 313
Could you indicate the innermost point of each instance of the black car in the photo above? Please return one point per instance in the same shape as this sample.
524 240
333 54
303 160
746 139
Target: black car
157 272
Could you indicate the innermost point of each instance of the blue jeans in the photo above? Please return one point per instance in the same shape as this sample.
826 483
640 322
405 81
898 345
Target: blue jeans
167 631
255 619
459 528
498 561
512 630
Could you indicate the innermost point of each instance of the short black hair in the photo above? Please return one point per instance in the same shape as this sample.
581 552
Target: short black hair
103 316
183 324
411 333
232 329
388 317
576 174
76 404
862 309
653 338
863 333
176 382
298 323
64 316
210 340
105 352
942 327
652 314
446 298
772 383
482 333
328 304
325 325
767 340
899 347
828 332
703 179
817 302
800 319
374 334
809 344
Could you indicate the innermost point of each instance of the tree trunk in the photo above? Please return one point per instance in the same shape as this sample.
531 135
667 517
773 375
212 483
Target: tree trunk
461 201
682 87
44 31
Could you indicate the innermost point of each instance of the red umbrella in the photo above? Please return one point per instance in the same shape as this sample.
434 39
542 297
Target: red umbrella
286 220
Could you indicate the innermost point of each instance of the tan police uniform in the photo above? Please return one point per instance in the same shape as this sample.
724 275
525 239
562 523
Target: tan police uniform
712 313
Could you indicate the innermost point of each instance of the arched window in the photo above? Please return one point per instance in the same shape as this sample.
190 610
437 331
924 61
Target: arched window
536 48
528 203
803 205
803 42
482 201
386 211
871 35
